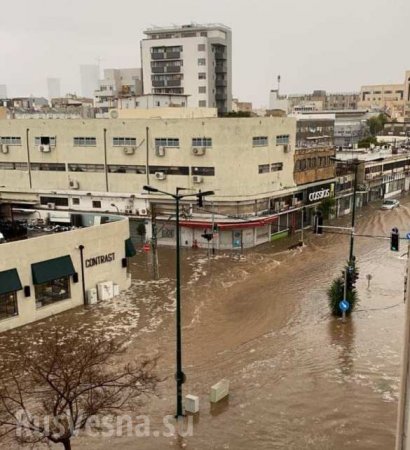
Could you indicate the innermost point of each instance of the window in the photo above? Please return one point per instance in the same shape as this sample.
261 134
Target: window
275 167
202 142
116 168
203 33
123 141
45 140
86 168
167 233
259 141
202 76
13 166
8 305
58 201
202 89
170 170
85 142
201 47
282 139
204 171
201 61
166 142
263 168
49 167
96 204
76 201
202 103
10 140
52 291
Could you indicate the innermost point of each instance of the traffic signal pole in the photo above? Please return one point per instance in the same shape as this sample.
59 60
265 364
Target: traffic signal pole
356 165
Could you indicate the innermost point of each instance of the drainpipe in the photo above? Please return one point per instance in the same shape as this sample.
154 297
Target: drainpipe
81 248
28 157
105 159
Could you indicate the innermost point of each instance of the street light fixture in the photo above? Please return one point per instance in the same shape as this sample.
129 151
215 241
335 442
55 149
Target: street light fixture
179 375
115 206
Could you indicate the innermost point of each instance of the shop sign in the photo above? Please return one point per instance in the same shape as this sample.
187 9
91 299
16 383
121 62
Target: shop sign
318 193
109 257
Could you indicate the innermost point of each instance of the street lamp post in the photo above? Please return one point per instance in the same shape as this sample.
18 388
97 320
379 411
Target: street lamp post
115 206
179 375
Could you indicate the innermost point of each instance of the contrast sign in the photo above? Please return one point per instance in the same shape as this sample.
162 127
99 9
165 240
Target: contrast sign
90 262
318 193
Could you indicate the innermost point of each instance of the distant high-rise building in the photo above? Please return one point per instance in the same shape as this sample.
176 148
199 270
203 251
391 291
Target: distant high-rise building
3 91
53 88
194 60
89 79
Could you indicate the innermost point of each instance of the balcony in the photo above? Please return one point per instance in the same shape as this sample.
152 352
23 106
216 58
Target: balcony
158 83
220 55
157 69
173 69
220 68
167 55
220 97
173 83
221 83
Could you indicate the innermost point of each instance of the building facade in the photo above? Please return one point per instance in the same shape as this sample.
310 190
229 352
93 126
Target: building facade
194 60
43 276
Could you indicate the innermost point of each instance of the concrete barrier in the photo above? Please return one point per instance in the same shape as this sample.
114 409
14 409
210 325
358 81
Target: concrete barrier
219 391
191 403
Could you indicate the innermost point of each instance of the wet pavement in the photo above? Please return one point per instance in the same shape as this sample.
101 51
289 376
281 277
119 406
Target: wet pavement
300 379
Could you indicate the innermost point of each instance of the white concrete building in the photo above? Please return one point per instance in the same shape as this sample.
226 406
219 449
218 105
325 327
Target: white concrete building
153 101
44 275
117 83
195 60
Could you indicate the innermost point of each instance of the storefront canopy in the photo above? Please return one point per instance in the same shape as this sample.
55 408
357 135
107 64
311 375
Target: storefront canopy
9 281
129 248
52 269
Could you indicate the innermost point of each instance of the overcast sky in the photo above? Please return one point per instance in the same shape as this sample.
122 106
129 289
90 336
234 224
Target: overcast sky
314 44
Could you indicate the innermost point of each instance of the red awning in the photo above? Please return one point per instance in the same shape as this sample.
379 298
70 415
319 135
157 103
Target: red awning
229 225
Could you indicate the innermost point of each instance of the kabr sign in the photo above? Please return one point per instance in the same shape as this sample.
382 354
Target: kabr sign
317 193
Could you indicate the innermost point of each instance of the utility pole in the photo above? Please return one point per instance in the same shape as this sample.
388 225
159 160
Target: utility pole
356 165
154 241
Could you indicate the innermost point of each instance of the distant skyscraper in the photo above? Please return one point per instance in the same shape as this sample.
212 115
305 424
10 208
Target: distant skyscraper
53 88
3 91
89 79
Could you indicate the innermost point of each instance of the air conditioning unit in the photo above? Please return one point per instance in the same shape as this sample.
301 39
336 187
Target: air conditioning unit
44 148
160 151
4 148
160 176
129 150
105 290
143 212
197 179
51 205
73 184
198 151
92 296
287 148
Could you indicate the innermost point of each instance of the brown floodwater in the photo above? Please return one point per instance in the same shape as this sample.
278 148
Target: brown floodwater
299 378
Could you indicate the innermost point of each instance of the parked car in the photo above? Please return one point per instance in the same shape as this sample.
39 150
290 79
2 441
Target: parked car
390 204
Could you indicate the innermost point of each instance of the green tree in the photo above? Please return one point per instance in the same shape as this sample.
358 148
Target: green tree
327 206
336 293
367 142
376 124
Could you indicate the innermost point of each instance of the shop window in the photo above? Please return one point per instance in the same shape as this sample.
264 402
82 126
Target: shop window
52 291
8 305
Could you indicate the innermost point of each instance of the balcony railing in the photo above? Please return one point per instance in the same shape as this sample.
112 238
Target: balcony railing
167 55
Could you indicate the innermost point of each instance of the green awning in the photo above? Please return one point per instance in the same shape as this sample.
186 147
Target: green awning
129 248
51 269
9 281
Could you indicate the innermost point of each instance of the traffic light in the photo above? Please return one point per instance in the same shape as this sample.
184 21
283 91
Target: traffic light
318 222
394 240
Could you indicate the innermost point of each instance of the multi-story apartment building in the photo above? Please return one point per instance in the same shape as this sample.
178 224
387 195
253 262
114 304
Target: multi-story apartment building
321 101
194 60
117 83
394 99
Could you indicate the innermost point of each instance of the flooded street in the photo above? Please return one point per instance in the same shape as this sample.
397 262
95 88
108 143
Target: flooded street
300 379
